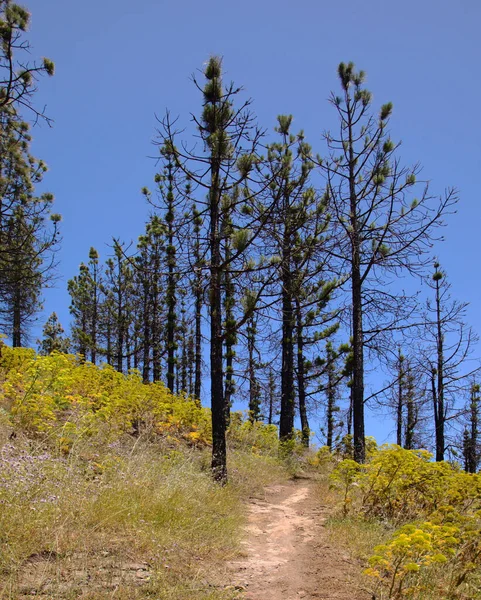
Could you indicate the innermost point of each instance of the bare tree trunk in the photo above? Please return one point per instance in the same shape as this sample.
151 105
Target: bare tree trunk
441 416
331 398
411 416
219 450
286 424
400 402
17 320
301 380
358 341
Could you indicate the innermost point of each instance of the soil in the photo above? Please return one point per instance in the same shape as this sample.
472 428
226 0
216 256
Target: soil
287 554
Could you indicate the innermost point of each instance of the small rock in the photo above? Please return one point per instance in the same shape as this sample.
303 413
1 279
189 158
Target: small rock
136 567
141 574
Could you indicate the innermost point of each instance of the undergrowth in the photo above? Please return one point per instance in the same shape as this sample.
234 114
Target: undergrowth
105 486
416 524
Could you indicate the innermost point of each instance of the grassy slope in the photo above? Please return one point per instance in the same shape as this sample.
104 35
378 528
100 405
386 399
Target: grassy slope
110 511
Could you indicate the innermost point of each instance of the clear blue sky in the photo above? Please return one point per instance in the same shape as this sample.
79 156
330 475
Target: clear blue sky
119 62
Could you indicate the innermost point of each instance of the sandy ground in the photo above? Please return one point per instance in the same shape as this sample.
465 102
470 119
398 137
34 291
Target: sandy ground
286 552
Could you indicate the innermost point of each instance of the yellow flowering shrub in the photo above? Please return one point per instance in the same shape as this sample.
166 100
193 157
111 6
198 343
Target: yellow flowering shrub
437 550
397 565
402 485
61 396
258 436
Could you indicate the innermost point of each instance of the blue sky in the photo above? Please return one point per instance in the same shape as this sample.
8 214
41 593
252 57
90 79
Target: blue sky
118 63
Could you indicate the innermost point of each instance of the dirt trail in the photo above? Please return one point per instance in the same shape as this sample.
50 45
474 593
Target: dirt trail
287 554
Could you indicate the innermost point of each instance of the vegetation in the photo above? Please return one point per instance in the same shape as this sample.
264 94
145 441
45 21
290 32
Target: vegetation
261 255
29 233
104 477
427 514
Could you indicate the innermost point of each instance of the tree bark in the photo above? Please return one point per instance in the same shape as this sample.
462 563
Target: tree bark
301 380
357 329
441 417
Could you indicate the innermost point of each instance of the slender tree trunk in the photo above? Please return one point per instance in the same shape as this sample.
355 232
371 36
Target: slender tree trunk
146 337
286 424
229 338
184 356
83 343
356 282
331 397
190 363
254 389
171 327
301 378
219 450
198 294
473 434
109 339
411 415
95 308
17 319
440 441
400 403
350 413
198 343
128 350
271 393
120 320
155 335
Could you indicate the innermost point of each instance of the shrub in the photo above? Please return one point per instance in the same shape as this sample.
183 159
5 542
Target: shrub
439 508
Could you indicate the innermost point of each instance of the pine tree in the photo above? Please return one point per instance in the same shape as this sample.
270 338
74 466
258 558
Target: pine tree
182 345
230 140
230 338
86 293
54 339
27 242
472 452
80 309
412 410
95 286
252 369
334 375
400 398
377 229
198 293
149 283
446 360
289 170
119 295
297 233
171 299
18 78
270 397
22 279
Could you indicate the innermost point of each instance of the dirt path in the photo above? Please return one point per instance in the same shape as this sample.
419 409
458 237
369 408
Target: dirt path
287 554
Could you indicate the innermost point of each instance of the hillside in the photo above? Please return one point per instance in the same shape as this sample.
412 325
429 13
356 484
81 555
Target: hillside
106 491
105 487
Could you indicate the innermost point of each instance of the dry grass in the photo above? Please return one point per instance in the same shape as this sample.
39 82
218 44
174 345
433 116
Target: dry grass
350 535
354 534
136 519
358 536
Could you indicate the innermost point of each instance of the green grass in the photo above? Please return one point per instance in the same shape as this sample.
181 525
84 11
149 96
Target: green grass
138 519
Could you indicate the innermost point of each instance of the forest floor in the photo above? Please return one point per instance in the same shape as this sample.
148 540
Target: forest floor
288 552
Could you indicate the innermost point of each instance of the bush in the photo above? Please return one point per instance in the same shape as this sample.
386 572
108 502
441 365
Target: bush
64 399
439 508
